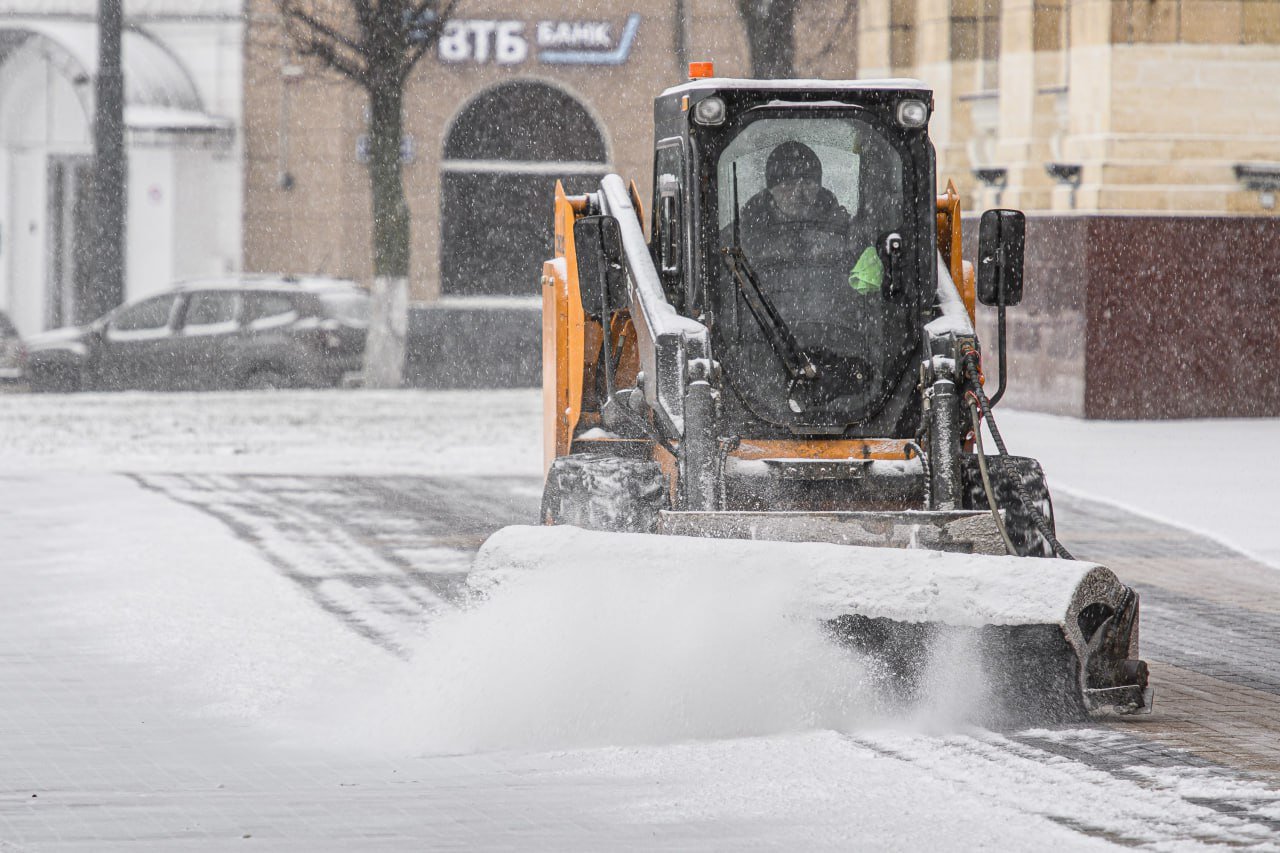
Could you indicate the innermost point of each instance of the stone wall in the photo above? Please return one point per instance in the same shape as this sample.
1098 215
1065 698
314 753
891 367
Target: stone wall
1144 317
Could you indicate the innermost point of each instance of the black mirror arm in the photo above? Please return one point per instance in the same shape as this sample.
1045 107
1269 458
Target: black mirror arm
1002 366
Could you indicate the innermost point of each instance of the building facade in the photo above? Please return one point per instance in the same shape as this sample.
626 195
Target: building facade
182 63
1141 138
1139 135
516 96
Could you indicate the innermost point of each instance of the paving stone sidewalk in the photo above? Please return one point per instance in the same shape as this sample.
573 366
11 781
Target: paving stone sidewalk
1210 630
92 756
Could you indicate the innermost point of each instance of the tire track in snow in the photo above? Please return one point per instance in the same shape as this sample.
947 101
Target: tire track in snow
1125 797
380 554
256 523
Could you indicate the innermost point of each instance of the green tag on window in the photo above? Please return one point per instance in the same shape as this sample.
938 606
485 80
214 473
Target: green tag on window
867 273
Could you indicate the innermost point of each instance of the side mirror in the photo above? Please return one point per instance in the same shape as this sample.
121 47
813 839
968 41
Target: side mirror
1002 238
597 242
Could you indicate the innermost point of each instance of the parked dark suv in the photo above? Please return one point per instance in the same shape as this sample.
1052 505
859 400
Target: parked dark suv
247 332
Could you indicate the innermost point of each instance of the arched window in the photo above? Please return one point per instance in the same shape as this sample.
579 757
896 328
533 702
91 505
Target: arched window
502 157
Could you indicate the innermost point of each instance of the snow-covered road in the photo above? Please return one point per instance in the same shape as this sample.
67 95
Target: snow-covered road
216 632
1215 477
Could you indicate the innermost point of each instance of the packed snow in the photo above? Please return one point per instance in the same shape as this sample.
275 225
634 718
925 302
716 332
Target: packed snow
313 432
603 708
1214 477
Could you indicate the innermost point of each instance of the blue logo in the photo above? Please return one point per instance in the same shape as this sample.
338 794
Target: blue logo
617 56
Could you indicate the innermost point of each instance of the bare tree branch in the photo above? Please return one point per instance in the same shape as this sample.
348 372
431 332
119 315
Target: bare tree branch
838 31
432 37
374 43
326 53
364 18
319 28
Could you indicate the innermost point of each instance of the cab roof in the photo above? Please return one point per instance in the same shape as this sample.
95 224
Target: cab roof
895 84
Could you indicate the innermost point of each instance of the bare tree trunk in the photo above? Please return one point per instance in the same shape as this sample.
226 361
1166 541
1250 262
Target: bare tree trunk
388 317
770 26
376 44
388 328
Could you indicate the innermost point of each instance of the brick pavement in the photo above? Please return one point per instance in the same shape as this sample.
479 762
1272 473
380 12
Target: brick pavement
1210 619
1210 630
92 767
1168 557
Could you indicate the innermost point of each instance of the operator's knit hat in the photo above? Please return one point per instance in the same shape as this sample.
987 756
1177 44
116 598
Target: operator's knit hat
789 161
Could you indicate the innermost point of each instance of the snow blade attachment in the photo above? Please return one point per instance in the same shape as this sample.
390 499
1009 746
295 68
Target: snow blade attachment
1055 639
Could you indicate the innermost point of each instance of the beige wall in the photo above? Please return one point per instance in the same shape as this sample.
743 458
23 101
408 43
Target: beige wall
305 120
1155 100
322 223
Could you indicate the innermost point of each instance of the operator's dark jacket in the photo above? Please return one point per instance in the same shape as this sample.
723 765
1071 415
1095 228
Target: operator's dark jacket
762 238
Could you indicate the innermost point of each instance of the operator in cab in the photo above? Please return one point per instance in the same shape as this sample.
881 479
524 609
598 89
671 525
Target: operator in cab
795 216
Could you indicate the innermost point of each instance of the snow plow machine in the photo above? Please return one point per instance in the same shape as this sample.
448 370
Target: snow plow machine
788 366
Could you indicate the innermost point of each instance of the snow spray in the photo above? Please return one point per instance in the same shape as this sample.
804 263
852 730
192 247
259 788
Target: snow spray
578 654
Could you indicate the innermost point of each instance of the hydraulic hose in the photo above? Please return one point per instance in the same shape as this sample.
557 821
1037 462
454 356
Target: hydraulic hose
986 479
1042 524
973 380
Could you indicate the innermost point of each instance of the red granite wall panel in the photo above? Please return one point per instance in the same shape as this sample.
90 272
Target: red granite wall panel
1183 317
1046 332
1144 317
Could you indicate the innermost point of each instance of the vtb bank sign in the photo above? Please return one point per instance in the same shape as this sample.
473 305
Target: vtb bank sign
552 42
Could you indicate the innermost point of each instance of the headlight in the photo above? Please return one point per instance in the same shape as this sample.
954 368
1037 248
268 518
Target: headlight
913 113
709 111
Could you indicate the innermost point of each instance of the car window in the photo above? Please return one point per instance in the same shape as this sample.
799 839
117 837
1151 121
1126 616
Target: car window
268 310
6 328
349 307
150 314
211 308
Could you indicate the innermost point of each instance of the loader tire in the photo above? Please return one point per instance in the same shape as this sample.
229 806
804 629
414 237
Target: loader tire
1019 520
601 492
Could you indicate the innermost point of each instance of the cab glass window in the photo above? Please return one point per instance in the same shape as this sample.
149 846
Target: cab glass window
806 208
848 158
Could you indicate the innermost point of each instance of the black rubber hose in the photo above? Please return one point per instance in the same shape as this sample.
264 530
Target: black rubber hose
1042 524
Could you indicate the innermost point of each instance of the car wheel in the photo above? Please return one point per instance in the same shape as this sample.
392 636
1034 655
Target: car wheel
54 380
265 380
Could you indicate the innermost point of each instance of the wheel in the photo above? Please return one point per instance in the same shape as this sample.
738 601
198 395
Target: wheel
1005 471
54 379
601 492
265 380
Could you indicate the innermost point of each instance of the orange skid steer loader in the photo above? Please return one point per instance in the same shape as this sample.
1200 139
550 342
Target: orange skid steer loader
791 356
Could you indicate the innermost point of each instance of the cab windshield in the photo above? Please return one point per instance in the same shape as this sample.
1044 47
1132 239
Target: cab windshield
805 209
